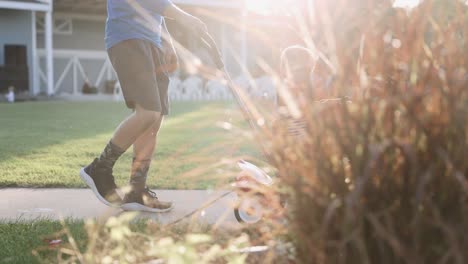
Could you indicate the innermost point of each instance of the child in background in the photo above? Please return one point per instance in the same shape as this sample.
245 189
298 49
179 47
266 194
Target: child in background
10 96
306 79
297 64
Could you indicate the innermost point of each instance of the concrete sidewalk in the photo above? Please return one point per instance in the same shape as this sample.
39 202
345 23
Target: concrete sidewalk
30 204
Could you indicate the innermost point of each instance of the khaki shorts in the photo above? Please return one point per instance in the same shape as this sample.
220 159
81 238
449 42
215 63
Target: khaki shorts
137 63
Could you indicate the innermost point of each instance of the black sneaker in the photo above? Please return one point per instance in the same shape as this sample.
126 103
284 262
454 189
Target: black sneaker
102 182
145 201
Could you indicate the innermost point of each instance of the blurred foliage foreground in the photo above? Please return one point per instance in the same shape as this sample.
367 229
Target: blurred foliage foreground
383 178
380 178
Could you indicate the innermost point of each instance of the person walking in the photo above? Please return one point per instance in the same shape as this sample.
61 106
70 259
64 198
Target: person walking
138 50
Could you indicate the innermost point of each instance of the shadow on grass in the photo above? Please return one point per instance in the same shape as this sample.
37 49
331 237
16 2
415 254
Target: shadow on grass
44 144
29 127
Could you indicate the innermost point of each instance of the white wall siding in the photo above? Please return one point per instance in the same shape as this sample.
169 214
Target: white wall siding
86 35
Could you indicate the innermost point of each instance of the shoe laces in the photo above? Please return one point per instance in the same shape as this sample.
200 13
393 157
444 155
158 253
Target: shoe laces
150 193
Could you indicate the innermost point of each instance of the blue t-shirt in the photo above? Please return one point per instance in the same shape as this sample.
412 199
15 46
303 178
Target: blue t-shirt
134 19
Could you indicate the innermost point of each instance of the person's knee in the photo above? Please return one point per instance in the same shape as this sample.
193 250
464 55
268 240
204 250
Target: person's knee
154 130
148 117
157 125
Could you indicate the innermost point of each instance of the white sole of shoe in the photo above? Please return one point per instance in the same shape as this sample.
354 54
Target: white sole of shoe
89 181
142 208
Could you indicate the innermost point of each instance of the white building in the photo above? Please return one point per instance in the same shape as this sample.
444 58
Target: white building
64 40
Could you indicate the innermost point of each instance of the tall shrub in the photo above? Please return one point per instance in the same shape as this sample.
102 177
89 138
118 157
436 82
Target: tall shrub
382 178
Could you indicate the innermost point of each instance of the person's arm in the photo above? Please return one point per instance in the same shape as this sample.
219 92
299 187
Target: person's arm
170 56
184 18
170 10
157 6
167 38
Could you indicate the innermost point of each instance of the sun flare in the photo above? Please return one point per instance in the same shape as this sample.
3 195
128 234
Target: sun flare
406 3
260 6
270 6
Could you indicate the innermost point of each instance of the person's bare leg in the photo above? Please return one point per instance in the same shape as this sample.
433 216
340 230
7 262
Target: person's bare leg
98 174
134 126
143 149
126 134
138 197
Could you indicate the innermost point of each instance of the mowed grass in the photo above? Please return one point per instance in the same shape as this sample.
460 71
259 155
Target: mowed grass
25 241
28 241
44 144
21 238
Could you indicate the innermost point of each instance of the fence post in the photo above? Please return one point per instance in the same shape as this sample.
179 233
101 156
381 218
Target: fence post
75 76
49 52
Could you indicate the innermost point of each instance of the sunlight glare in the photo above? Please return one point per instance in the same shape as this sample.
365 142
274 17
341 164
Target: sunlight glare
259 6
406 3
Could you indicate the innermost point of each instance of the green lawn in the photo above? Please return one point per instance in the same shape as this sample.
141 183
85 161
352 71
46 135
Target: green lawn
28 241
20 238
44 144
